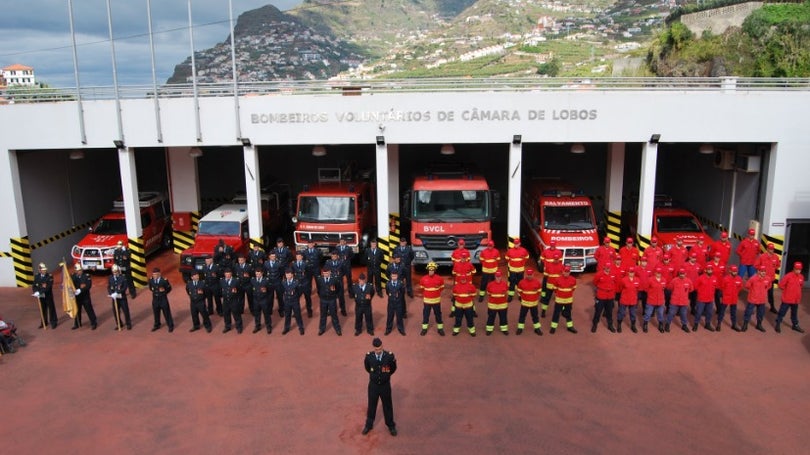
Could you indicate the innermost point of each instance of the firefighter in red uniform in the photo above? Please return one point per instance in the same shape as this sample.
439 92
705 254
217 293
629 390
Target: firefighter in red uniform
464 293
654 254
668 272
628 254
565 286
618 272
655 299
705 287
644 273
552 269
604 254
791 286
628 288
680 286
730 288
701 250
462 268
496 304
490 257
605 284
432 286
455 256
516 258
693 270
722 246
719 270
748 250
770 260
679 253
757 287
529 292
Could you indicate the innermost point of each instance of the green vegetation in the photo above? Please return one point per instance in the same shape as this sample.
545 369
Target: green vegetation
774 41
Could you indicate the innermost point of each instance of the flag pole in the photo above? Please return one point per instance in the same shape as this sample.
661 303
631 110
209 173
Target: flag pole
117 315
41 314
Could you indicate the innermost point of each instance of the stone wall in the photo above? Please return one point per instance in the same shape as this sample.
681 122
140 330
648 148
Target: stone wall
717 20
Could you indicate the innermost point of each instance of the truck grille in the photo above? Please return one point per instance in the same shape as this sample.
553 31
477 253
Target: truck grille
324 237
450 242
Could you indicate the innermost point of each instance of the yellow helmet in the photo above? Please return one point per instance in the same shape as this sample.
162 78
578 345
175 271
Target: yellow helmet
432 266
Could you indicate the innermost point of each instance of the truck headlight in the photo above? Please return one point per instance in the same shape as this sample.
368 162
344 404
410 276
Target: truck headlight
186 260
108 252
420 254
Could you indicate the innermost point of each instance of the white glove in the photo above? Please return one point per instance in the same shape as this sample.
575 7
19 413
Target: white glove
36 294
77 291
116 295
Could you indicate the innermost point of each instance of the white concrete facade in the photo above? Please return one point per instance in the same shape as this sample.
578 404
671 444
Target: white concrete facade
476 116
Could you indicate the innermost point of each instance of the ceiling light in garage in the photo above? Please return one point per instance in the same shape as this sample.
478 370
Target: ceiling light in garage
319 150
77 155
706 149
447 149
577 149
195 152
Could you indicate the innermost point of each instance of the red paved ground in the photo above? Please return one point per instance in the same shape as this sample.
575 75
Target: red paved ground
140 392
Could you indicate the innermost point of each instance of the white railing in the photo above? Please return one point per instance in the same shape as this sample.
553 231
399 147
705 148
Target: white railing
449 85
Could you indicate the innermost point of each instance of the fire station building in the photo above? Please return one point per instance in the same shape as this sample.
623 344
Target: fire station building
732 150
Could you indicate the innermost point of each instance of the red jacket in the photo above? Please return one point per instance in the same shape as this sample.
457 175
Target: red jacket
678 255
489 258
731 287
701 252
723 247
681 287
529 291
770 261
655 290
565 289
654 254
432 287
693 270
629 255
603 255
791 286
463 293
605 285
629 290
516 258
748 250
497 294
757 287
463 269
705 286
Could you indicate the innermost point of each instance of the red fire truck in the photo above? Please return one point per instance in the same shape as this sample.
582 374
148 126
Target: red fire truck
95 250
227 222
445 206
556 211
670 221
334 209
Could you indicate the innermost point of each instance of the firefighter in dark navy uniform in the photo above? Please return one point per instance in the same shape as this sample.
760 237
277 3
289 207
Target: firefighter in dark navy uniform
328 290
82 282
196 291
374 258
405 252
283 254
396 304
303 276
117 289
336 266
273 273
43 290
256 257
292 302
232 302
261 289
161 288
210 275
346 255
363 293
122 260
380 365
243 272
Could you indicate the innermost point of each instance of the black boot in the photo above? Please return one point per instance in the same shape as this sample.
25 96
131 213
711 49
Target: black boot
744 327
619 327
666 327
661 327
709 327
778 327
685 328
593 327
611 329
796 328
695 327
644 326
633 327
759 327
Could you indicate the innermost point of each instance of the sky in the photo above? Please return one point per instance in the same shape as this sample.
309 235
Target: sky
36 33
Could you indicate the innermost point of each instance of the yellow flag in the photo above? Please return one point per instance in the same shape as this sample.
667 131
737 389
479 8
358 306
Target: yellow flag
68 293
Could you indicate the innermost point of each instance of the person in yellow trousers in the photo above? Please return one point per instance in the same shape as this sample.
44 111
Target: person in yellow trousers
497 292
565 286
529 291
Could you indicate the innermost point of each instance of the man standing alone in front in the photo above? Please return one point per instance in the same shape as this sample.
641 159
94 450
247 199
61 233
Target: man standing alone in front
380 365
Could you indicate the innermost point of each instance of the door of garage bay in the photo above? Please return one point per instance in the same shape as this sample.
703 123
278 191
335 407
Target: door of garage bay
798 246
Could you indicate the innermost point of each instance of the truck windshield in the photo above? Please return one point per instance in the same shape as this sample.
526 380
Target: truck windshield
568 218
110 227
222 228
327 209
677 224
462 205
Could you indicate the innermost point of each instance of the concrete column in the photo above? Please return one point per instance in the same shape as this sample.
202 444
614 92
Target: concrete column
394 216
253 190
646 192
15 251
383 201
781 180
184 185
515 190
132 212
613 193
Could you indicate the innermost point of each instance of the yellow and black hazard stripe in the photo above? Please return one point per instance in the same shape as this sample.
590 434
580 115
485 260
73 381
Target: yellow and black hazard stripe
183 240
62 234
394 231
510 241
614 228
256 241
23 264
387 249
137 261
642 241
